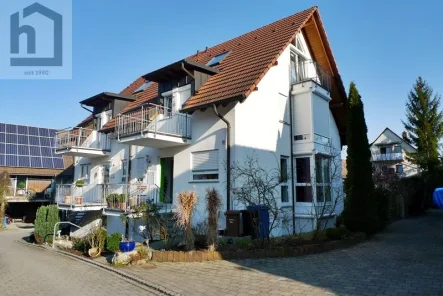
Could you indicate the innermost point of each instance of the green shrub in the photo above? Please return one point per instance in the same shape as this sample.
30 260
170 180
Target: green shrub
113 242
336 233
243 244
80 245
80 183
381 195
46 218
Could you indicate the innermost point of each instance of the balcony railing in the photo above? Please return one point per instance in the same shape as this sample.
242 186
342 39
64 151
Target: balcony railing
34 189
309 70
114 197
154 119
387 156
82 138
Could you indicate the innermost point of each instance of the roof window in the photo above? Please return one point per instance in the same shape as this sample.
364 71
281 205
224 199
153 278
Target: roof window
217 59
142 87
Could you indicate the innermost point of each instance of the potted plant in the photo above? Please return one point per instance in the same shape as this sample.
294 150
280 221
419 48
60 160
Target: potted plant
112 200
96 239
127 245
79 199
122 201
132 202
21 186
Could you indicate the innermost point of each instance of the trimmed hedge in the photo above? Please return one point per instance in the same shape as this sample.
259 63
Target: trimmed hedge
46 218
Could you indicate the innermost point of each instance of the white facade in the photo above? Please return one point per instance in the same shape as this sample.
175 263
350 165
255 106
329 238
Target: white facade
389 152
259 125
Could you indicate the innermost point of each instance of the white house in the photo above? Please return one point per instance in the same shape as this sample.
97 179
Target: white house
275 92
389 152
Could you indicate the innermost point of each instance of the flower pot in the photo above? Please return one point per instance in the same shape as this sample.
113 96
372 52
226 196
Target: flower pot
122 206
127 246
78 200
94 252
132 202
68 199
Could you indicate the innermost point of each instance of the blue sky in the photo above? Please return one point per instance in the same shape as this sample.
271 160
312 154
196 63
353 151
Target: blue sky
382 45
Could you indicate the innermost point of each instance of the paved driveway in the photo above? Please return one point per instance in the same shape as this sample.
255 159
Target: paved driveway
407 259
26 270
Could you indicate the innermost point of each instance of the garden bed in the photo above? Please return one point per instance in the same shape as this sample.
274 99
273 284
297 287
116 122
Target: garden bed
271 251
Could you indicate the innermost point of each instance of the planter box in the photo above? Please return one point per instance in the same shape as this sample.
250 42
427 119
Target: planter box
79 200
68 199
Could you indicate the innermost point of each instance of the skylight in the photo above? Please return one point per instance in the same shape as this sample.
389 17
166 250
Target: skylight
142 87
217 59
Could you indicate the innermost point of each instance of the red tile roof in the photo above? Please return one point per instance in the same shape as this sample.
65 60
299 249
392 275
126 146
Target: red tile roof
251 56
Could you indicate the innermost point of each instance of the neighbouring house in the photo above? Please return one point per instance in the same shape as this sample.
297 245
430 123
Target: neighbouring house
27 153
389 153
275 92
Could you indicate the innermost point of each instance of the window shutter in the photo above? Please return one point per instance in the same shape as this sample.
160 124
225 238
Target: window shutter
205 160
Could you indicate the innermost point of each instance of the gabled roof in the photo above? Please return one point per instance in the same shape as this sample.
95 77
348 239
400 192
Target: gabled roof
250 57
396 135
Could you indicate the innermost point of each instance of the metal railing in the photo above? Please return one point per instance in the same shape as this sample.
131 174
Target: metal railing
387 156
82 138
309 70
33 189
72 195
151 118
120 197
319 139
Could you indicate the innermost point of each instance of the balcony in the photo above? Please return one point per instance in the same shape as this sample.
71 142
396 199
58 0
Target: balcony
34 190
113 199
82 142
154 126
387 156
309 71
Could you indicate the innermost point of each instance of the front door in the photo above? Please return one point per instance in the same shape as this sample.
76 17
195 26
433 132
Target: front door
166 179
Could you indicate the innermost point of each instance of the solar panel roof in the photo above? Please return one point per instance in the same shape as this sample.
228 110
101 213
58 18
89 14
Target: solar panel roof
28 146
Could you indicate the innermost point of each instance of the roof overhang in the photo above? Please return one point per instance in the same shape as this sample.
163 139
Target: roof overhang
176 70
104 97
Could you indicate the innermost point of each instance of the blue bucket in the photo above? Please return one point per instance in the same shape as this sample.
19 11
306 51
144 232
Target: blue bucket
127 246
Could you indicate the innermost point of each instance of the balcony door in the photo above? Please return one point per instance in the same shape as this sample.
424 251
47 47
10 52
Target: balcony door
298 68
106 170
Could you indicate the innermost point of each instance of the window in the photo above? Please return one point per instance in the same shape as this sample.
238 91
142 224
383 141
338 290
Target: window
142 87
284 193
141 168
217 59
124 171
397 149
303 165
283 169
383 150
84 171
323 178
284 178
303 188
205 165
399 169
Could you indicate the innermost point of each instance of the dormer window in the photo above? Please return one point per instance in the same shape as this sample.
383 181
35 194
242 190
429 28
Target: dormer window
217 59
142 87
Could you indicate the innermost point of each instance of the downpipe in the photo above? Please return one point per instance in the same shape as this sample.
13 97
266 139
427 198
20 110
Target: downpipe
228 157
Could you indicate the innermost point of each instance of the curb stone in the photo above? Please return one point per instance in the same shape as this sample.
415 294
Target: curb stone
140 281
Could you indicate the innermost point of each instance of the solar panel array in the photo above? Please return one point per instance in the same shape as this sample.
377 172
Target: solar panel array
29 147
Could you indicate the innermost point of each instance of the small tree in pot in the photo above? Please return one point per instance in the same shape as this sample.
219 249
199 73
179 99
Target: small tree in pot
186 203
79 199
213 205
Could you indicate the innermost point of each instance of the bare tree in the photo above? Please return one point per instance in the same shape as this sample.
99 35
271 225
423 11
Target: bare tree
5 182
255 185
326 183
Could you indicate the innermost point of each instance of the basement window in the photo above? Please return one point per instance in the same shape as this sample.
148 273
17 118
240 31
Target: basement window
205 165
217 59
142 87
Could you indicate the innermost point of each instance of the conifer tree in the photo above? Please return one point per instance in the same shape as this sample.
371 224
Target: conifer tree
360 206
424 124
